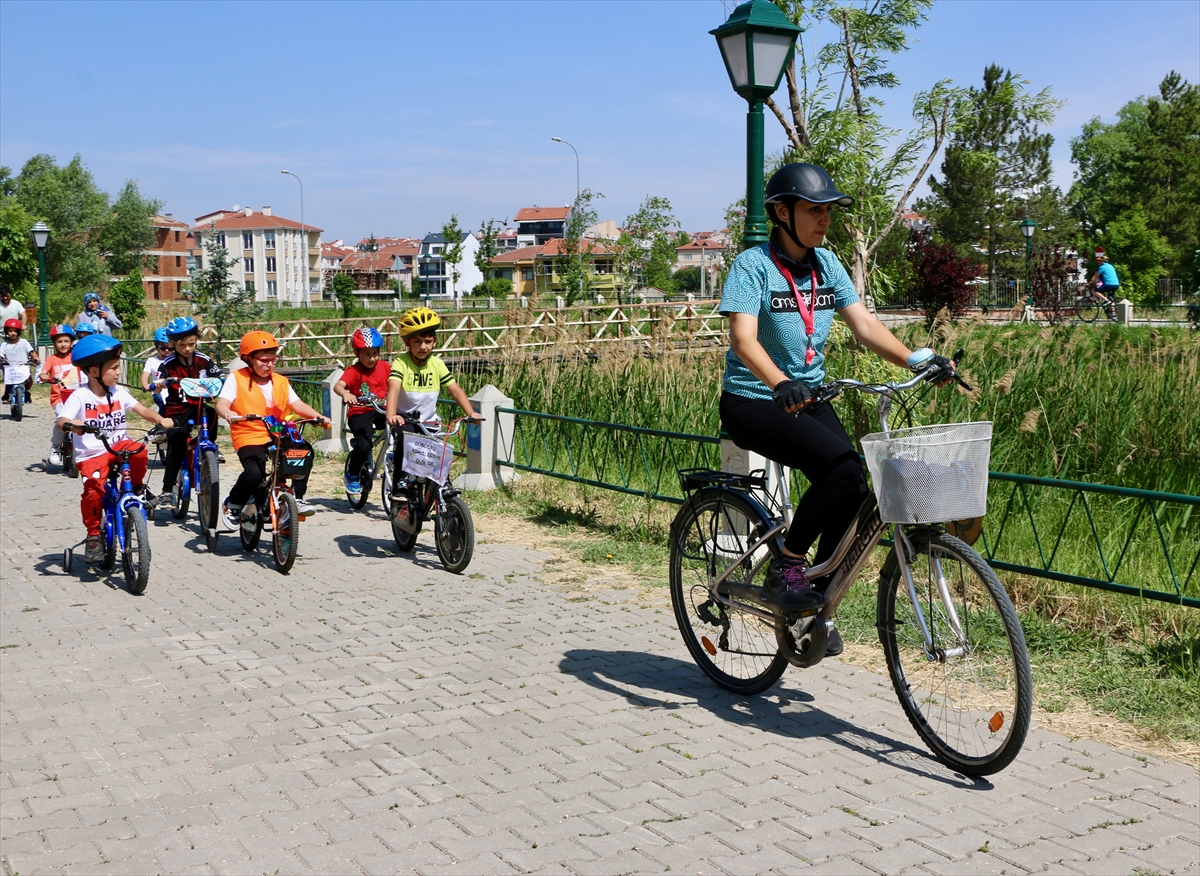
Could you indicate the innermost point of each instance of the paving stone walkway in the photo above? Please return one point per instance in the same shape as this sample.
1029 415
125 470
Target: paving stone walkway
371 713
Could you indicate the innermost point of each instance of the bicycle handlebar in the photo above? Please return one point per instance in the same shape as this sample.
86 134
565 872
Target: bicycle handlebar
310 421
929 374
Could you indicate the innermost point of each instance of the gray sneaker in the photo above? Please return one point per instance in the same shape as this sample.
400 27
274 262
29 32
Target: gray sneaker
787 585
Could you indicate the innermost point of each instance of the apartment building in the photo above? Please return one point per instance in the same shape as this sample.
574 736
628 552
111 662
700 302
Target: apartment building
539 225
271 257
165 266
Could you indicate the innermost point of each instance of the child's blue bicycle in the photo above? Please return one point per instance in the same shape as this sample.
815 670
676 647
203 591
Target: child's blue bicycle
200 471
122 520
14 381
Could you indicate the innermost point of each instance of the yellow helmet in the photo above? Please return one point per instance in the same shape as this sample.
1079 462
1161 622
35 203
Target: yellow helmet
418 319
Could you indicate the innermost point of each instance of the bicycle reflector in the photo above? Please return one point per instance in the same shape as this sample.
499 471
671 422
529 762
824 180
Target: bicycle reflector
710 647
996 722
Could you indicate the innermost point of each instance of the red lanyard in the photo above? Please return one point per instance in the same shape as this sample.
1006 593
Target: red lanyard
805 310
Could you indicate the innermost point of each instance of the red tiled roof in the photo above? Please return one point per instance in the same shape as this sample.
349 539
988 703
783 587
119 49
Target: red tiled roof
164 222
541 214
235 221
405 248
704 244
516 255
367 261
554 248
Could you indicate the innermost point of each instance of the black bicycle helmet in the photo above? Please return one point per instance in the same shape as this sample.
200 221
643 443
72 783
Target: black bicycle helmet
803 182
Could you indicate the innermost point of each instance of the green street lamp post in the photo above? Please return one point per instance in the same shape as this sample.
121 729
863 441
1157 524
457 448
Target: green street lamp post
41 237
1027 228
756 43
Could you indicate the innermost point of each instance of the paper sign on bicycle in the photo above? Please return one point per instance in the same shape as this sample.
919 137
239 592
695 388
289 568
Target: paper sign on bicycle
427 458
16 373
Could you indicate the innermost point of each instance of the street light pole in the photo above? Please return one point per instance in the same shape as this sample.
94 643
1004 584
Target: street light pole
303 237
41 236
1027 228
577 193
756 43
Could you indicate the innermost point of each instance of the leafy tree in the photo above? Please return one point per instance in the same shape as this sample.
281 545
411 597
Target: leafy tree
453 251
18 264
1138 254
574 262
127 231
493 287
834 118
1150 157
343 291
645 251
228 306
996 159
941 278
128 299
488 250
372 245
1052 282
687 279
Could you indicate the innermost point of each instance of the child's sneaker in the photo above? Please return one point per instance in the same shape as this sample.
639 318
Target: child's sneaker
353 488
787 585
230 515
304 507
93 551
55 458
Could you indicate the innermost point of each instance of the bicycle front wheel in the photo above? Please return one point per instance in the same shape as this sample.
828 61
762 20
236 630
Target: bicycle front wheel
285 534
135 559
208 497
970 698
1088 310
454 535
181 494
17 406
735 649
364 478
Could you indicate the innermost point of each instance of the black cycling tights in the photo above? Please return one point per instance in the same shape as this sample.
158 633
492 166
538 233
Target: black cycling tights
815 443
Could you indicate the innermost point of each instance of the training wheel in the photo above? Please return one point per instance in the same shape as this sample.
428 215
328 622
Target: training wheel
68 556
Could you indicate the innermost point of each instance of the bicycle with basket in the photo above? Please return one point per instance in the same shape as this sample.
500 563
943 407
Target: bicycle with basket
954 647
123 518
288 456
425 460
201 467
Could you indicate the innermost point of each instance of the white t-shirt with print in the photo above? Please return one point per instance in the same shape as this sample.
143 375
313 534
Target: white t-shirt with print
151 366
229 391
107 412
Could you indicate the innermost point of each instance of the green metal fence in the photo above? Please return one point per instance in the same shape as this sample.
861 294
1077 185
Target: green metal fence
1119 539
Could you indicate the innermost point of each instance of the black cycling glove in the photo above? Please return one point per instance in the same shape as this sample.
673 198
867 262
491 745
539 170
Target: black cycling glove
792 394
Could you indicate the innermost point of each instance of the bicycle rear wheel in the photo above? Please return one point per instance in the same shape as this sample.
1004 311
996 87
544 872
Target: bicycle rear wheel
364 478
285 533
208 498
735 649
454 535
135 559
1088 310
972 709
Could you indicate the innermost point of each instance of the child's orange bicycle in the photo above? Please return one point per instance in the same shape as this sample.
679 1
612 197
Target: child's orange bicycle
289 456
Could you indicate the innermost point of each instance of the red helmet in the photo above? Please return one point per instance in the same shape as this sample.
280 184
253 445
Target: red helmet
366 338
13 323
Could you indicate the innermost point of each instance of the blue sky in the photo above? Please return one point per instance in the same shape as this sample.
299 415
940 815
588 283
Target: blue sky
397 114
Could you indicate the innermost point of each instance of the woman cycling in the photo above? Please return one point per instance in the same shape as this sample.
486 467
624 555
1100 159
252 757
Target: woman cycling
778 328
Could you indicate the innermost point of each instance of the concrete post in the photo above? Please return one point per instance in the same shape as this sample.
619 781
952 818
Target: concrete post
491 303
738 461
599 298
559 302
488 442
1125 311
524 301
335 409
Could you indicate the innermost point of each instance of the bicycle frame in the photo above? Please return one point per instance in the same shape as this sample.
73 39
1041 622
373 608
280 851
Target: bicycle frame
429 489
848 557
117 500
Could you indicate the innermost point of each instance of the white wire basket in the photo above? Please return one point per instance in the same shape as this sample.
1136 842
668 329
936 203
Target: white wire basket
930 474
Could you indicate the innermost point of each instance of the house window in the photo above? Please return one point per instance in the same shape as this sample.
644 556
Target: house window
155 285
270 264
177 237
221 240
526 274
179 261
247 240
249 285
272 289
248 265
269 239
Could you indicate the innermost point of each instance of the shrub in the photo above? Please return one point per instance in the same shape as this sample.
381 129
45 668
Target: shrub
941 278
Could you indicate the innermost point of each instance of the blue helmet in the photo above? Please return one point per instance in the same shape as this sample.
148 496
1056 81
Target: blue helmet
95 350
83 328
60 330
181 327
90 296
161 337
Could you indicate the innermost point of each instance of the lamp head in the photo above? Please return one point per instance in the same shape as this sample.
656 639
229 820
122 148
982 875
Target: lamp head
41 234
756 43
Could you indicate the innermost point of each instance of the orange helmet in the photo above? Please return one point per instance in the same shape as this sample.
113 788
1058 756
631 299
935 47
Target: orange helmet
257 340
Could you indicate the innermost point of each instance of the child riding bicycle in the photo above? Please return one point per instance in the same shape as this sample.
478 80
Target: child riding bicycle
162 349
363 419
257 390
104 405
63 377
16 351
183 334
417 377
